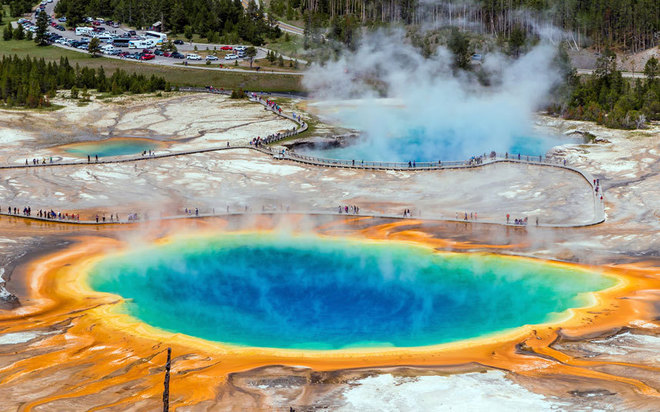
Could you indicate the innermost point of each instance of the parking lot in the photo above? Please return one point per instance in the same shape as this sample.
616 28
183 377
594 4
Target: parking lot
217 55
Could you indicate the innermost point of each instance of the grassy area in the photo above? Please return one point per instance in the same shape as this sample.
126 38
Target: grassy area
51 108
245 65
4 8
179 36
175 75
291 48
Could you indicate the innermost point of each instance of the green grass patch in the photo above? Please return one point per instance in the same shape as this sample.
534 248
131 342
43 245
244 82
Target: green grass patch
175 75
51 108
312 124
292 48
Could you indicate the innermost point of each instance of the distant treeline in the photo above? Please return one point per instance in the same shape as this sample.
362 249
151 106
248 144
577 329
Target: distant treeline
18 7
31 82
217 20
610 99
630 24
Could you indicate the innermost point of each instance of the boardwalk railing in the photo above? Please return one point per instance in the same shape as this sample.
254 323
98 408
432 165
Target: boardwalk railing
283 154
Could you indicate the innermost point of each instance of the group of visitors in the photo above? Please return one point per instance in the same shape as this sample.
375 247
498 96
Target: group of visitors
102 219
270 104
190 212
407 213
133 217
597 189
149 153
36 162
520 222
273 106
89 158
349 210
466 216
475 160
43 214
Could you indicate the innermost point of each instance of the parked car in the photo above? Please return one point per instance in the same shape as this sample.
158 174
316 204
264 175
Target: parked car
167 54
211 57
158 52
60 27
132 32
147 56
226 48
178 41
240 48
231 57
177 55
193 56
62 19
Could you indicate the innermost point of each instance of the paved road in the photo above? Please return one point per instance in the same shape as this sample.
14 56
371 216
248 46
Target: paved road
290 28
630 75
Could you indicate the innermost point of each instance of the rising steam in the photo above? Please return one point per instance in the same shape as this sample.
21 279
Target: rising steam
432 112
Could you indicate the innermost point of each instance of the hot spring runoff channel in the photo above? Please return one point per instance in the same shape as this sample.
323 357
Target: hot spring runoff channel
309 292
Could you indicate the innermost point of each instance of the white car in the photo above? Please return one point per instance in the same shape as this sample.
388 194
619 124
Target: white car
193 56
211 57
231 57
240 48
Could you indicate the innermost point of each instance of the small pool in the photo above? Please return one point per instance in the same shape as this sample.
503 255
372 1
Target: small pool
111 147
270 290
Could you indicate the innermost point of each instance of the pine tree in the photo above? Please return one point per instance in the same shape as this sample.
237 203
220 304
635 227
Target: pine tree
42 29
7 32
19 33
94 47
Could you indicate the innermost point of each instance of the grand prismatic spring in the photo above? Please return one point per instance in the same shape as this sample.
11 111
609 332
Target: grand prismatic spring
279 282
267 291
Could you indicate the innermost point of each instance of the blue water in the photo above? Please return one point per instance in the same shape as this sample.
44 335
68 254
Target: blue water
307 292
445 146
110 147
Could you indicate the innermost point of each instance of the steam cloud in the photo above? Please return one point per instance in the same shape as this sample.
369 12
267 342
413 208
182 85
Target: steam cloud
430 113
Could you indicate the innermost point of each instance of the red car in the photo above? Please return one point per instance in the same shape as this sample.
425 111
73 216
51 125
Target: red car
96 23
167 54
148 57
226 48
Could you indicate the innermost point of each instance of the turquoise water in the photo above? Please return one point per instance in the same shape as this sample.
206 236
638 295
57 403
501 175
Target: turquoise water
445 146
307 292
107 148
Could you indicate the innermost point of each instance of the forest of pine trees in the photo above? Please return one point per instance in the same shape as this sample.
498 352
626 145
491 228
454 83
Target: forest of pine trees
609 99
216 20
30 82
632 25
